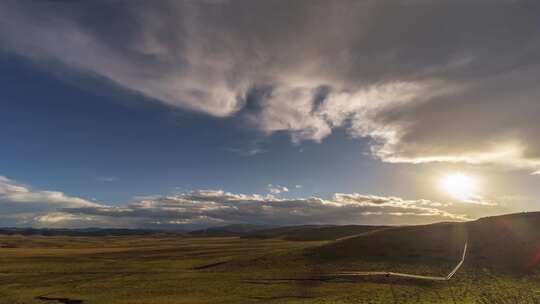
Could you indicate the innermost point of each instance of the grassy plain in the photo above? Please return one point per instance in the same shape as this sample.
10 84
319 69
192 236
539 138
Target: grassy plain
169 269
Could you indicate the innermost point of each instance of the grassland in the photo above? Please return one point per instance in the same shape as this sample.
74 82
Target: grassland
173 269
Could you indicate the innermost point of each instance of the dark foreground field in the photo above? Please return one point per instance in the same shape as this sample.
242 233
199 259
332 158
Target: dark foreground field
175 269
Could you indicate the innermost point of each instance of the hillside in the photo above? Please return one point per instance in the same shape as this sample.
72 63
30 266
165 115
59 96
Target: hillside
506 243
311 232
228 230
169 269
509 241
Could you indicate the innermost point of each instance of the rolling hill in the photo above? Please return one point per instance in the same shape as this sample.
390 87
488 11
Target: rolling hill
228 230
312 232
502 243
263 267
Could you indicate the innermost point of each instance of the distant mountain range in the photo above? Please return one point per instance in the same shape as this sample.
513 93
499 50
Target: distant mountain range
291 233
80 231
230 230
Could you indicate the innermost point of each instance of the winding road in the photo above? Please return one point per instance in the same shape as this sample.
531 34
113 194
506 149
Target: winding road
406 275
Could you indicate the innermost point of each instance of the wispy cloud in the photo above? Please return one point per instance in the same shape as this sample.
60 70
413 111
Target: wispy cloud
107 179
277 189
366 66
247 152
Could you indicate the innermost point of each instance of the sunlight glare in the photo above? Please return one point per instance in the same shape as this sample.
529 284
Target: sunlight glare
459 186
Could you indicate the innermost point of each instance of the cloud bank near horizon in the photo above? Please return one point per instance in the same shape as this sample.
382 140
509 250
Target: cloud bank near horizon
446 81
216 207
21 205
24 206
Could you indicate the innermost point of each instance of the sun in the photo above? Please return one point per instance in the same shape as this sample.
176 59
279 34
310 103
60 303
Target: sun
460 186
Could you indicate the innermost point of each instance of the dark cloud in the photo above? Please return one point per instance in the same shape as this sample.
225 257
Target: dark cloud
426 80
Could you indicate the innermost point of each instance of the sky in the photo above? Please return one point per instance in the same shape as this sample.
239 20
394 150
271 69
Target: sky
189 114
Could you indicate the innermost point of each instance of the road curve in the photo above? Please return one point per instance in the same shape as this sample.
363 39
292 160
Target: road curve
406 275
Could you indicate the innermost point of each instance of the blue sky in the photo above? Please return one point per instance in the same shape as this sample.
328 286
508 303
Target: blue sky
96 141
301 106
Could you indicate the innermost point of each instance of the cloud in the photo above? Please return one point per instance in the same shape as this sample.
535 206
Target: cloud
445 81
12 192
209 208
24 206
52 218
277 189
247 152
107 179
21 205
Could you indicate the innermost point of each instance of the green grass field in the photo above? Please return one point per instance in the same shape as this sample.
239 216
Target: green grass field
142 269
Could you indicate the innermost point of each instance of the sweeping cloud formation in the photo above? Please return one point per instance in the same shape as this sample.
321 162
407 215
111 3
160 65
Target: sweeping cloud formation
451 81
23 206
